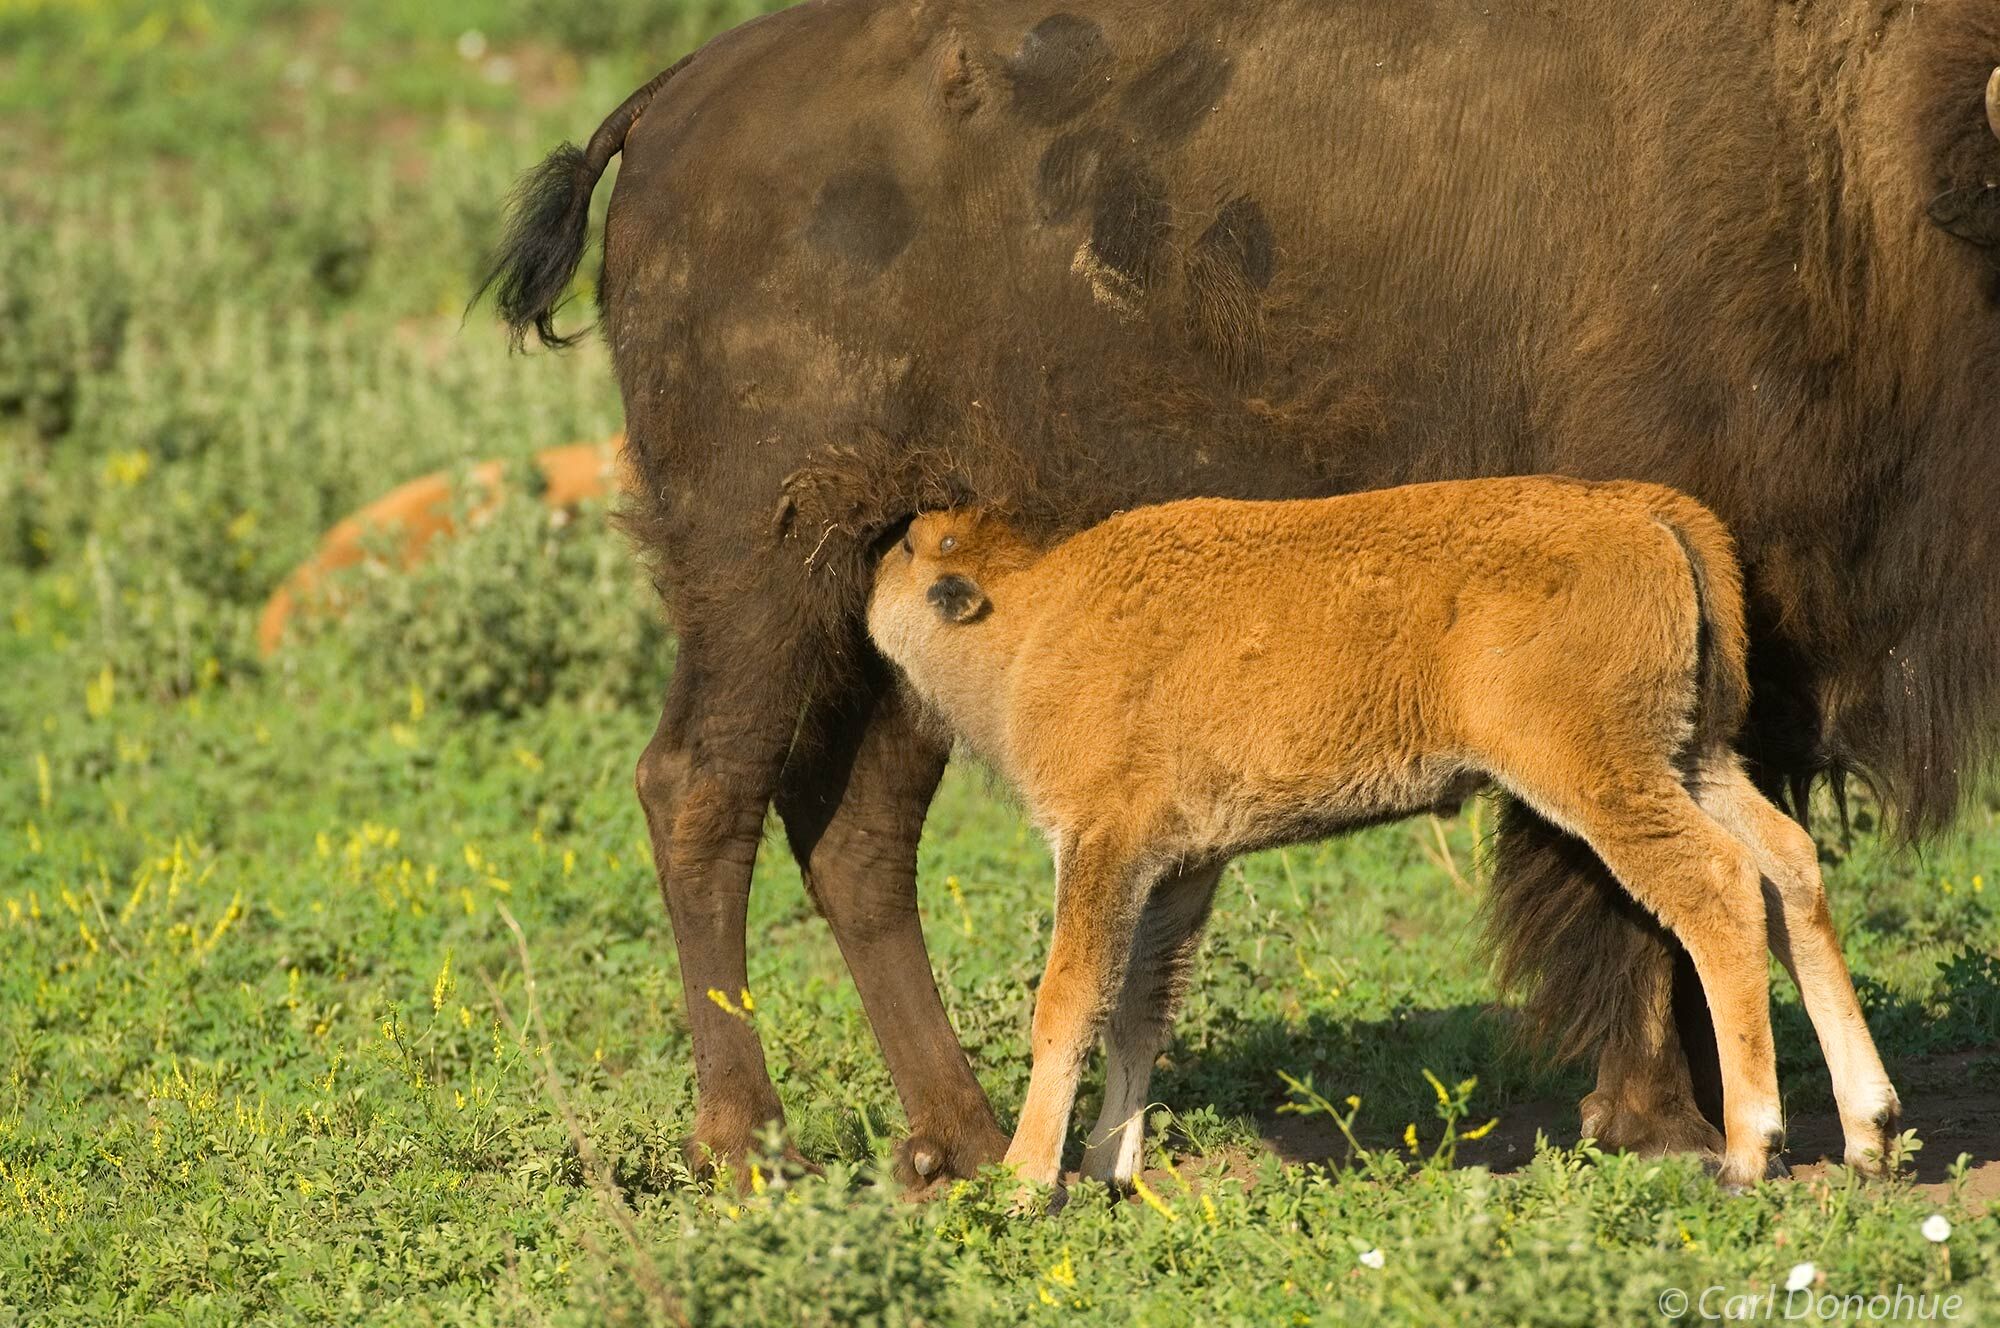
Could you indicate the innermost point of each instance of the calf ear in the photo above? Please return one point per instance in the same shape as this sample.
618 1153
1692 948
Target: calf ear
957 599
1971 213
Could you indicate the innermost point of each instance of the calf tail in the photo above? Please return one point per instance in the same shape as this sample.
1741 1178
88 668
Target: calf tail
1596 969
1722 679
548 223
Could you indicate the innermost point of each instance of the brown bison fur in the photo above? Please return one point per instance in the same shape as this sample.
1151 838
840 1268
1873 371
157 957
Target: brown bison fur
1070 260
1189 682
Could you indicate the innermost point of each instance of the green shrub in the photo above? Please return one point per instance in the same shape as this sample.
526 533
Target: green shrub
527 606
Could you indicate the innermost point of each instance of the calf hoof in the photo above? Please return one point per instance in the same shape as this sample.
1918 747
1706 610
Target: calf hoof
1674 1125
1033 1200
1101 1163
1871 1149
1737 1177
937 1153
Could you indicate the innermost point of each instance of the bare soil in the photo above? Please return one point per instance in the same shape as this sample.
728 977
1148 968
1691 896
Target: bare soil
1949 1100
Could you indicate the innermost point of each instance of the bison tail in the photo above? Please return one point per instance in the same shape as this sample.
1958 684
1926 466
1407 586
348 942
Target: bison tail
548 223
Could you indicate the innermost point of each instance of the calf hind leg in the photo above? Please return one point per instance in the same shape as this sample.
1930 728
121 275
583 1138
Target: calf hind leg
1563 924
1705 887
1163 951
853 799
1803 937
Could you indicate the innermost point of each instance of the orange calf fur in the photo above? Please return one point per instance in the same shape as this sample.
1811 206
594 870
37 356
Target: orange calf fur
1188 682
419 511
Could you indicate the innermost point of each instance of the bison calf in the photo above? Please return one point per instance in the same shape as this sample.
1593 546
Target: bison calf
1188 682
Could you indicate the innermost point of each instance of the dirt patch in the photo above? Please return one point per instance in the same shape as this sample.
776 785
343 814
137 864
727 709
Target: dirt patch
1947 1100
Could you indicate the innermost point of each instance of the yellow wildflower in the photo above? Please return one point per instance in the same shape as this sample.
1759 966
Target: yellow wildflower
444 984
99 693
1153 1201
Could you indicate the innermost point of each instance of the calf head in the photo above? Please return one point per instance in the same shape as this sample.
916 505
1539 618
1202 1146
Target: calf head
942 575
954 557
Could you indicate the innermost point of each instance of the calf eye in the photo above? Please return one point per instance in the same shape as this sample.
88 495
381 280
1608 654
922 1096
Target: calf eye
906 544
947 544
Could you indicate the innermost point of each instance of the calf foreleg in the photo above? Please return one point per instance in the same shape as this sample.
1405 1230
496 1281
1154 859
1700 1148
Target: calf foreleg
1099 895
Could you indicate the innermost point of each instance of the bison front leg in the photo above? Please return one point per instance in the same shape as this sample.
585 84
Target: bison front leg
1645 1100
853 799
704 781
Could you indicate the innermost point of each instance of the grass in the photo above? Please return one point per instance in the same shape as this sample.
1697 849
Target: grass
271 1045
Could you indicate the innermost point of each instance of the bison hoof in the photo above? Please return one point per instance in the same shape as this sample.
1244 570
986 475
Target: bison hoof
732 1156
1672 1127
930 1156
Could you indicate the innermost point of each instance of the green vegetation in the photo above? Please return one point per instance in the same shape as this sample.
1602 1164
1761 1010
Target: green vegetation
270 1047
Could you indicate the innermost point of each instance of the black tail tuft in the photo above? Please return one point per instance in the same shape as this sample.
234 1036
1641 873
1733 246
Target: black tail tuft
549 221
547 224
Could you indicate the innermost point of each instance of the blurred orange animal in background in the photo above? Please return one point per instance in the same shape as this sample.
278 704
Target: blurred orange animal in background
414 514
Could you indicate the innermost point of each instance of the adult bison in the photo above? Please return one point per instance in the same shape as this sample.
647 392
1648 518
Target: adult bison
869 256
